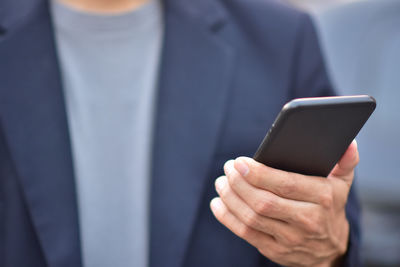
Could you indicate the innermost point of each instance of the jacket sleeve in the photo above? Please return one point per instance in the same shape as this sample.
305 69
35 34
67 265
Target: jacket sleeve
310 78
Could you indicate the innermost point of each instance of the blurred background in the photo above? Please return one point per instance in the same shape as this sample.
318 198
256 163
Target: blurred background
361 43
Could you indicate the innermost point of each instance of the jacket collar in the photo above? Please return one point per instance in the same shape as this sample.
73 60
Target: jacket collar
195 73
15 12
33 118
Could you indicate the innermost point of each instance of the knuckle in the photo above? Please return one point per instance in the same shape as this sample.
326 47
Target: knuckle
244 231
312 228
326 197
294 240
265 206
311 224
288 185
315 228
251 219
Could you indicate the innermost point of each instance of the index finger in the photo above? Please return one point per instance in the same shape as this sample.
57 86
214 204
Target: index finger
285 184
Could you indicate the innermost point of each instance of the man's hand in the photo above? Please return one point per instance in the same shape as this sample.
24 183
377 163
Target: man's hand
292 219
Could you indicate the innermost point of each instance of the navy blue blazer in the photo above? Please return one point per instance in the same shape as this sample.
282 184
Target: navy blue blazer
227 68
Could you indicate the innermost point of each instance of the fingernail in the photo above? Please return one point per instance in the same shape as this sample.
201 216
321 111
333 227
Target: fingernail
220 183
355 142
241 167
215 203
228 166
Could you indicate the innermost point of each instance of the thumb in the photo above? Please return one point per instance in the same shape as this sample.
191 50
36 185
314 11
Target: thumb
344 169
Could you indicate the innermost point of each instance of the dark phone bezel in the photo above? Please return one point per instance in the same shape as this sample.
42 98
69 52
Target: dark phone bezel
315 103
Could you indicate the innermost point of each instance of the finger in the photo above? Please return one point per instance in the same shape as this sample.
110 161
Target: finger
265 243
245 214
224 216
284 184
344 169
264 202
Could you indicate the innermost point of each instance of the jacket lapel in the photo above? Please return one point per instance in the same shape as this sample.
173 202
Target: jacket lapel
194 78
195 73
33 118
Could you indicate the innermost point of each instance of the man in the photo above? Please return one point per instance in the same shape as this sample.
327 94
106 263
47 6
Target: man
117 116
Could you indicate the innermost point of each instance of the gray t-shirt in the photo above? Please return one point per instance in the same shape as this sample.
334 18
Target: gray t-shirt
109 66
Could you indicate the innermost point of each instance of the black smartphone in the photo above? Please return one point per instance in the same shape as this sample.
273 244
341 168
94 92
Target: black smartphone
310 135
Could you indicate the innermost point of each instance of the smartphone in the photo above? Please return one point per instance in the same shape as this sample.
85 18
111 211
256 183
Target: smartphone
310 135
